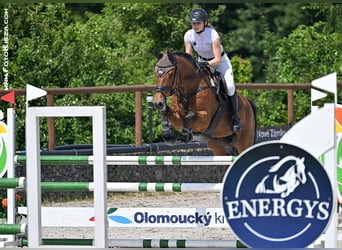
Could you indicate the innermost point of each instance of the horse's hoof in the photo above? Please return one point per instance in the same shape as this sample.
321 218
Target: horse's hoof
186 138
190 115
170 141
169 137
235 152
186 135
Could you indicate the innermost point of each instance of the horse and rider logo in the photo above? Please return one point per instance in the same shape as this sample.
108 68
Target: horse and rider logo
287 183
277 195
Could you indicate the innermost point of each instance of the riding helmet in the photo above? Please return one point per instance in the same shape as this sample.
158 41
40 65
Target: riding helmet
198 15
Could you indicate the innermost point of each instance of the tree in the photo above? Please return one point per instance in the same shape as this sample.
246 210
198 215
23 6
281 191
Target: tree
55 45
250 29
309 52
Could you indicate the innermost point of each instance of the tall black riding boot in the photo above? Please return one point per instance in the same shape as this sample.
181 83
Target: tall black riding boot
236 124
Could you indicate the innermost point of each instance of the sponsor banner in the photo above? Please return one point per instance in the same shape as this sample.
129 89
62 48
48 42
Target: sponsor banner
339 150
270 133
277 195
134 217
167 217
4 157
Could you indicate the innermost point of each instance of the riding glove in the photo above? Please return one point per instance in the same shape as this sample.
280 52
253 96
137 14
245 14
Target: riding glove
202 65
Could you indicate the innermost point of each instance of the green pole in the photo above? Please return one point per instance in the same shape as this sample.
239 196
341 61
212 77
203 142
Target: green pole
47 186
12 228
57 159
65 186
9 183
70 242
239 244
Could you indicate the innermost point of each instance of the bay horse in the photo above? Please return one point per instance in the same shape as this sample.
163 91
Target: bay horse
197 108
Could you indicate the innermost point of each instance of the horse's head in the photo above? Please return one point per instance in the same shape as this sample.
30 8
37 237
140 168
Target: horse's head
300 170
166 73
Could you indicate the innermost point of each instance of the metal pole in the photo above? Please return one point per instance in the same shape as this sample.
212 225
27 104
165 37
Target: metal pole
11 207
150 121
138 118
51 125
33 170
100 177
290 106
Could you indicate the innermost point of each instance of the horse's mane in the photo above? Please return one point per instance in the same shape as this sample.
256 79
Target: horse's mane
186 56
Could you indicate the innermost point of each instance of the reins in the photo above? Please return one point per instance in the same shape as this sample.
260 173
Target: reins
185 98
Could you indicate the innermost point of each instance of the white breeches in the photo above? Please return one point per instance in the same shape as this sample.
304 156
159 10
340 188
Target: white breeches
225 68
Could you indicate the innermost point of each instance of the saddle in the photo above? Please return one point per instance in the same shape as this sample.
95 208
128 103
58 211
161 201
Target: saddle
218 83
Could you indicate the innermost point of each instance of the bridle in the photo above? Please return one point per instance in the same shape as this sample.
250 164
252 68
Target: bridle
174 88
184 95
162 71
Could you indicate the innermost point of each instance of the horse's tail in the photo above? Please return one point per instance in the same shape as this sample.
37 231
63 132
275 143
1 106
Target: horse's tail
254 108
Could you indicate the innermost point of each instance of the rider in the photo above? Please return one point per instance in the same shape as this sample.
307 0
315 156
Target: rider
206 42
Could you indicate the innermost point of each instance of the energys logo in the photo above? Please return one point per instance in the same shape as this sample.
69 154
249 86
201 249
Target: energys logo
277 195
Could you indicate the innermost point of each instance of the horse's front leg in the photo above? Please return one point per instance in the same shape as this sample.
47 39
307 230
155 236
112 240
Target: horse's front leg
168 135
186 133
160 104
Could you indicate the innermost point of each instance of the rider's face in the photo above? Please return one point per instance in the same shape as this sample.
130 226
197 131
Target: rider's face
198 26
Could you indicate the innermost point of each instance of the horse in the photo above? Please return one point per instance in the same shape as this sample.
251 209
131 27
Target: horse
283 183
197 108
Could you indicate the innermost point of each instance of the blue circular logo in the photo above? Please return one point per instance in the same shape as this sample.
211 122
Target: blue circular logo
277 195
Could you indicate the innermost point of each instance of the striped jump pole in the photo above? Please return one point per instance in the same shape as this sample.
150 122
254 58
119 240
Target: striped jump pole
116 186
131 160
147 243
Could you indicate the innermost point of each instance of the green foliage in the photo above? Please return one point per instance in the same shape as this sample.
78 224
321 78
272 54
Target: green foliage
243 73
56 51
242 68
306 54
19 202
271 107
249 29
60 45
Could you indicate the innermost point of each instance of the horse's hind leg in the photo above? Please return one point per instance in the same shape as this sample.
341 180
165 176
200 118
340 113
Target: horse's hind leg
221 146
231 150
